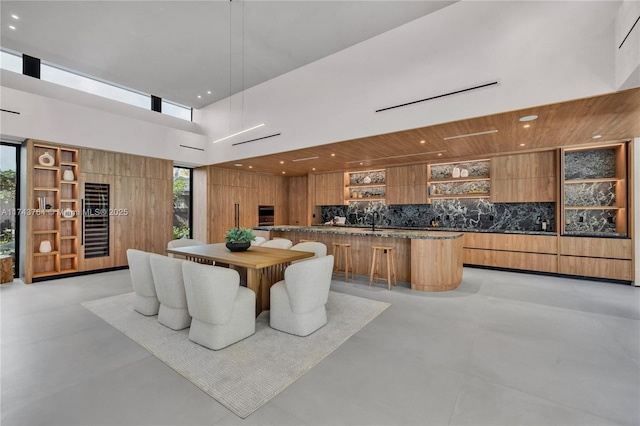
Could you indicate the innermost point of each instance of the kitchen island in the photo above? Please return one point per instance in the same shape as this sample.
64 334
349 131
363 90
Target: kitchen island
429 260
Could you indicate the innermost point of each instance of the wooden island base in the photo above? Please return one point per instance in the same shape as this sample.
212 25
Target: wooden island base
430 261
436 265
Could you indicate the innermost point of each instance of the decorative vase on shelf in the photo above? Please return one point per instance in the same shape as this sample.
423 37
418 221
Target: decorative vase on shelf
456 172
464 172
68 175
45 246
46 159
367 179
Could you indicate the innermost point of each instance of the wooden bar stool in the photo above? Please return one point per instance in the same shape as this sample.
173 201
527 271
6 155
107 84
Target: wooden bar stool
391 264
342 254
307 241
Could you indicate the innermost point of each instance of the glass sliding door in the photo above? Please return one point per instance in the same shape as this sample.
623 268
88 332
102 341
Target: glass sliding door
9 202
182 215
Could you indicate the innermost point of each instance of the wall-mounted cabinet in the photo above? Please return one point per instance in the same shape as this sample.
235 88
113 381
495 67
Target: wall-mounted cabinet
330 189
524 178
594 190
367 185
470 179
52 208
407 184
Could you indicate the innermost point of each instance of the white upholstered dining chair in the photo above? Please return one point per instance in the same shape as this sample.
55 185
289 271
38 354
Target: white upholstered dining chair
222 312
167 275
298 302
258 241
281 243
146 300
183 242
315 247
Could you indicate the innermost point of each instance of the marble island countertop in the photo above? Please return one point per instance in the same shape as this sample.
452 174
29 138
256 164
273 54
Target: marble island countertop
447 229
346 230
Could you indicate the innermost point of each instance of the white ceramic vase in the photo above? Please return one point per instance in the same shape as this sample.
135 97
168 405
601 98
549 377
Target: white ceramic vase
45 246
46 159
68 175
456 172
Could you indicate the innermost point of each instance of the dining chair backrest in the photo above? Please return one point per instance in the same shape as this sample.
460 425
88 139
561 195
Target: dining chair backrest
318 248
281 243
258 241
183 242
146 300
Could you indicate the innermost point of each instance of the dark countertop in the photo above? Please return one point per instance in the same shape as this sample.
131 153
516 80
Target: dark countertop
416 234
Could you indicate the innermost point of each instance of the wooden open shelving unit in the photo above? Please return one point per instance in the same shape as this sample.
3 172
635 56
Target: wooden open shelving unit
435 187
619 179
378 188
47 222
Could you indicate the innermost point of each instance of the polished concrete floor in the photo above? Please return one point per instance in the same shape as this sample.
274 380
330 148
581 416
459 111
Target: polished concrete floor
503 349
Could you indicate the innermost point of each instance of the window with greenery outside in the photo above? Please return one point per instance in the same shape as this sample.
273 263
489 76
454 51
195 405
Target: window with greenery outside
181 203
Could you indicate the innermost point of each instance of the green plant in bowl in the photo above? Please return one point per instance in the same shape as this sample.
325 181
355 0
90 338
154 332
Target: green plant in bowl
239 239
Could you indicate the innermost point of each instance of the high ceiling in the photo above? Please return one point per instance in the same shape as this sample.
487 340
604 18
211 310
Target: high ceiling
179 50
612 117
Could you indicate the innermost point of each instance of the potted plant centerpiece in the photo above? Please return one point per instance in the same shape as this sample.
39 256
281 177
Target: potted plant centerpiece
239 239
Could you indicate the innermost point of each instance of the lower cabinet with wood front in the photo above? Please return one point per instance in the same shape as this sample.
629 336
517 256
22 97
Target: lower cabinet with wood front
513 251
609 258
597 257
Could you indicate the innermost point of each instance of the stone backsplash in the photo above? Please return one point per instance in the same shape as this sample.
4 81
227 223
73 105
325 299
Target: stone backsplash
450 213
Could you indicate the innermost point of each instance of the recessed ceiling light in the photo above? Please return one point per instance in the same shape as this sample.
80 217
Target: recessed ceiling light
199 97
422 141
251 167
281 162
361 164
439 154
528 118
16 17
12 27
238 165
333 155
283 172
526 126
522 144
208 92
313 168
596 136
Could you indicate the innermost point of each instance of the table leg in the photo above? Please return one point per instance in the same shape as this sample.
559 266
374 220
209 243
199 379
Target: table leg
254 278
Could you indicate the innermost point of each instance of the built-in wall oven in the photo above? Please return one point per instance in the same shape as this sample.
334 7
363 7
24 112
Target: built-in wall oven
265 216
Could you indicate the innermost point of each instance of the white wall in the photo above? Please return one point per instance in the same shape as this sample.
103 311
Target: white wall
627 56
59 114
541 52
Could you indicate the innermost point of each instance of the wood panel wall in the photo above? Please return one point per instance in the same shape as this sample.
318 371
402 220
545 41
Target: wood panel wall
142 186
222 189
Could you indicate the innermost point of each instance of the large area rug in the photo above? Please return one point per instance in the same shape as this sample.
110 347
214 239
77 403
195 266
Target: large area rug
243 376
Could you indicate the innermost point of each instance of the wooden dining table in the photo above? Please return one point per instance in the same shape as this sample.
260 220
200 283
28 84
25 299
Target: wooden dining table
265 265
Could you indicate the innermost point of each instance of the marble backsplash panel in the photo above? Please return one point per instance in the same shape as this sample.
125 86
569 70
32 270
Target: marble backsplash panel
590 221
450 213
593 164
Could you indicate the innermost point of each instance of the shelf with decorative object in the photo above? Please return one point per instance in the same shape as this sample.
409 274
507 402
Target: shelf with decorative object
367 185
52 240
469 179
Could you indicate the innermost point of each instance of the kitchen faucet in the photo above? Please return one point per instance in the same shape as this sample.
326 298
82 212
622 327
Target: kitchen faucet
373 220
